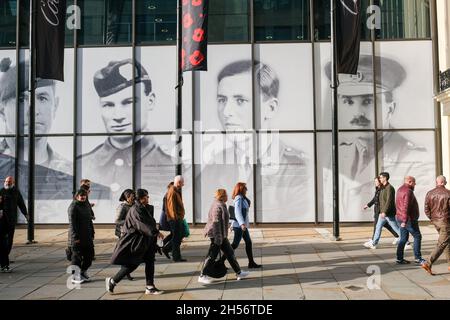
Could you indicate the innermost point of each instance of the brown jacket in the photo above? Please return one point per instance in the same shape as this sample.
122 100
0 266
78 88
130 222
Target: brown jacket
437 204
217 226
174 205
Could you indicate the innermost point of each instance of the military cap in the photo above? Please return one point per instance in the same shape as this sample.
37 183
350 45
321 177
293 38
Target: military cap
389 75
8 76
118 75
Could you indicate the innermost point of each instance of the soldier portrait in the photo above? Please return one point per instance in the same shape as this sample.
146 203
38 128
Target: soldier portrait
110 163
281 170
397 153
53 172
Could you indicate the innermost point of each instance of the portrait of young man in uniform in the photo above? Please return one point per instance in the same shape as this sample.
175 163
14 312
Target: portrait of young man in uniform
110 163
397 154
281 170
53 173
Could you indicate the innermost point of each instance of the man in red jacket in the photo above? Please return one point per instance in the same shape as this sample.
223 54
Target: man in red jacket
437 208
408 218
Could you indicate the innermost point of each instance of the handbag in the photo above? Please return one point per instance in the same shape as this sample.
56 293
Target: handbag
231 212
217 269
186 231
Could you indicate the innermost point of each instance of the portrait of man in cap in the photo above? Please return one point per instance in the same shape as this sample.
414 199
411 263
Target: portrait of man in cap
282 175
110 163
53 179
397 154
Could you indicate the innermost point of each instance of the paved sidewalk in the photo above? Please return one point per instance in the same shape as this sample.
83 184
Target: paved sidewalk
299 263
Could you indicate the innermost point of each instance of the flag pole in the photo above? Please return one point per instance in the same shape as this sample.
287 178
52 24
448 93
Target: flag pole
179 88
335 126
31 118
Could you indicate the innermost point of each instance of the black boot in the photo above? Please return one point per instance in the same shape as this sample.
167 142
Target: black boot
251 262
129 277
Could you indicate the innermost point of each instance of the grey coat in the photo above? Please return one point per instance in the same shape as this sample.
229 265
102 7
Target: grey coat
218 219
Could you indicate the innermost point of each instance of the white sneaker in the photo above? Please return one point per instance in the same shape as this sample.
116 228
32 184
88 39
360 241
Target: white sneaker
153 290
76 280
395 242
242 275
204 279
369 245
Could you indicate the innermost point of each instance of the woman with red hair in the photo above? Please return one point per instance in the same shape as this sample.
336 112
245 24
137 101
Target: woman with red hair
241 223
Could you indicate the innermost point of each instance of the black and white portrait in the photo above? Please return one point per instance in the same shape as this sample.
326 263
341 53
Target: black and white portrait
53 160
230 158
398 101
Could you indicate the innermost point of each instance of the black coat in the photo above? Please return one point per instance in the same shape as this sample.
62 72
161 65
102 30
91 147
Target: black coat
376 203
139 239
122 212
11 199
80 223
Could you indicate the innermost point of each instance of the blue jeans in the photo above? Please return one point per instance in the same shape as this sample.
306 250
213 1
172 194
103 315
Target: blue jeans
238 235
413 228
381 222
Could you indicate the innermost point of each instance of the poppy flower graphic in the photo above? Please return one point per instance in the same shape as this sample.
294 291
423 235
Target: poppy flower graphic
196 58
187 20
199 35
197 3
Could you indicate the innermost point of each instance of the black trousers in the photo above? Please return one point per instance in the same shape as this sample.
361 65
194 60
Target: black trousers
167 242
10 239
4 254
386 225
227 250
82 256
149 270
176 229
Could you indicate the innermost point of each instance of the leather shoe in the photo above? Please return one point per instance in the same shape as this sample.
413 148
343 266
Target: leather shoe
254 265
129 277
166 253
179 260
425 266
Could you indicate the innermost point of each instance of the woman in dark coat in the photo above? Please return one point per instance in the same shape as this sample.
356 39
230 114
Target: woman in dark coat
137 245
127 200
82 235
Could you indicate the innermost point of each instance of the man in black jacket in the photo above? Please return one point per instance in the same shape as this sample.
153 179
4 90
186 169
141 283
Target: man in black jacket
11 199
80 221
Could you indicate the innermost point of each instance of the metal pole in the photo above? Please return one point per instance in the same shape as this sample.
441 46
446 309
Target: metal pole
31 142
335 134
179 88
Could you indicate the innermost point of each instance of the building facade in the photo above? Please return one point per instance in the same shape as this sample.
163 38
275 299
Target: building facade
261 114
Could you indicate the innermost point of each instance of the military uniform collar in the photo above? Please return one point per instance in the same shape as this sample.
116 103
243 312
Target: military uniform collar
108 152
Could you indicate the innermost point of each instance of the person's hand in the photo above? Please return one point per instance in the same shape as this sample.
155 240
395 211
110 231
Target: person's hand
403 225
383 215
92 205
77 242
243 227
365 207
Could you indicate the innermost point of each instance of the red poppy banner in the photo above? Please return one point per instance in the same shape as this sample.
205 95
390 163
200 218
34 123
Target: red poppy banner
194 35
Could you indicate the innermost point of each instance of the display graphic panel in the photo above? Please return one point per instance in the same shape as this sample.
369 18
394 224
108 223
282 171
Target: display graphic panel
222 161
106 161
406 85
408 153
105 95
284 86
8 92
355 93
285 178
53 179
226 105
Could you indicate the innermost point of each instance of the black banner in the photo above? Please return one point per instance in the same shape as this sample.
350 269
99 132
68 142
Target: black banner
194 35
50 36
115 12
348 35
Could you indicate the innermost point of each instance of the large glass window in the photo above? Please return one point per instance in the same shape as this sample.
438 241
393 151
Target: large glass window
281 20
404 19
156 21
228 21
105 22
8 15
322 26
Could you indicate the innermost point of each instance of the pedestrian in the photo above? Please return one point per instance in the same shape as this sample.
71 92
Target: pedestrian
80 225
4 257
137 245
175 215
408 218
127 199
216 230
241 224
164 226
12 199
437 207
86 185
384 210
